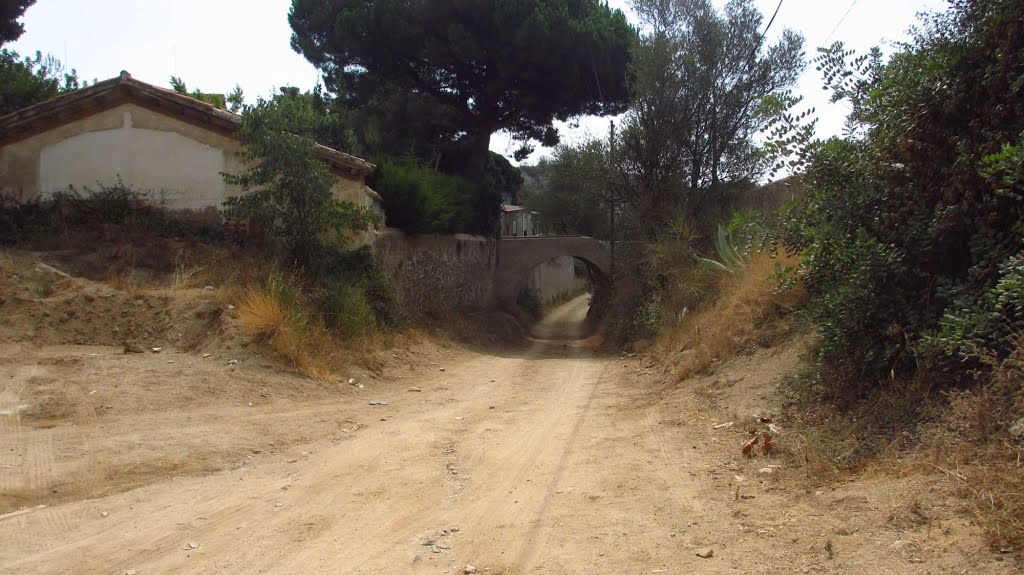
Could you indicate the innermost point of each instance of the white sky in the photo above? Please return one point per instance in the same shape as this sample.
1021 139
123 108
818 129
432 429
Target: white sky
215 44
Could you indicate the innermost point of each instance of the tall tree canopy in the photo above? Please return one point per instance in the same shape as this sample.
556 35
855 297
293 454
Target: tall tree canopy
10 12
512 65
705 82
27 81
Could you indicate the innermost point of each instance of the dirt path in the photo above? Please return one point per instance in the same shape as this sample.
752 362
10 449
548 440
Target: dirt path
553 460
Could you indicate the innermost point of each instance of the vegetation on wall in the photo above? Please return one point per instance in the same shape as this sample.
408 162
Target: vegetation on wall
110 210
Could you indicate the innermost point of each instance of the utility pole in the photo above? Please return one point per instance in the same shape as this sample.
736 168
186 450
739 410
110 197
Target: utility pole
610 192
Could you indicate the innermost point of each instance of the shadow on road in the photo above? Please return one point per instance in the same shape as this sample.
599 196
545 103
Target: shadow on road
566 324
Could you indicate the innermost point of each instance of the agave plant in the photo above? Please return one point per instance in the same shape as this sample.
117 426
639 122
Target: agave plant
730 259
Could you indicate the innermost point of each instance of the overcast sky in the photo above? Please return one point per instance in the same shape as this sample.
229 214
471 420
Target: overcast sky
215 44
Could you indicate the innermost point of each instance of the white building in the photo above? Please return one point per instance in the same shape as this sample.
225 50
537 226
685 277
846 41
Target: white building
153 139
518 222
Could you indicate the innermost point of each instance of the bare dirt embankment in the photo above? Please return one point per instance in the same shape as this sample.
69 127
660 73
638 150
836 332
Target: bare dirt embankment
555 457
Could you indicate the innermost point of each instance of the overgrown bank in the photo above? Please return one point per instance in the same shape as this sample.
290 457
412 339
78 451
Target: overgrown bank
904 262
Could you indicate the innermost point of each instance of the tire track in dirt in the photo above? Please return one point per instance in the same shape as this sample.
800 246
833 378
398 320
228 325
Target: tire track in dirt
506 507
11 447
385 544
35 471
381 542
364 505
351 482
528 554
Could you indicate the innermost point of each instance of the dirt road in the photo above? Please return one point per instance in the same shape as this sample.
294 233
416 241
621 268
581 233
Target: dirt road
489 451
552 460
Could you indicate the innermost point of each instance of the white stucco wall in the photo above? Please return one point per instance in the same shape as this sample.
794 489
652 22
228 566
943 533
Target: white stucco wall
518 224
177 163
179 172
554 279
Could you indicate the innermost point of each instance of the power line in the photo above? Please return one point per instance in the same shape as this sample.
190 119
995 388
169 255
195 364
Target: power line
772 21
757 45
840 23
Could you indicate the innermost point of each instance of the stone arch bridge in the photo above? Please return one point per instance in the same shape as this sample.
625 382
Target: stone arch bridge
517 256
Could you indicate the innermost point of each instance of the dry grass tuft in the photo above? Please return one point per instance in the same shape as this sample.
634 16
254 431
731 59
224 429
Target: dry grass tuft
123 281
274 316
262 314
746 302
265 315
973 446
186 276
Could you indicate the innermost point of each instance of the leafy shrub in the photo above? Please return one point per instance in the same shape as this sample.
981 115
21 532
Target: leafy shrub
911 229
971 326
358 268
120 205
635 305
287 189
422 200
347 310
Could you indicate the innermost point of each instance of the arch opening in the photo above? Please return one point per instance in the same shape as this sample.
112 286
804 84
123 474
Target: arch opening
556 295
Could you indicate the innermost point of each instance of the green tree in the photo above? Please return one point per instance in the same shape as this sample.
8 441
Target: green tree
287 189
236 99
10 12
218 100
501 178
28 81
397 123
912 230
705 83
569 190
515 66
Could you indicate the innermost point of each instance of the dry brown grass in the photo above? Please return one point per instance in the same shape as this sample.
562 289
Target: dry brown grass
123 281
186 276
905 427
263 315
316 351
973 447
745 303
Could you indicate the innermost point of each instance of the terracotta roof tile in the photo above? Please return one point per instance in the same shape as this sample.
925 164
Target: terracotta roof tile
109 93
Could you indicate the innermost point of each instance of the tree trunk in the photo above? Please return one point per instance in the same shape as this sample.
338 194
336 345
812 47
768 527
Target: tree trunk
478 153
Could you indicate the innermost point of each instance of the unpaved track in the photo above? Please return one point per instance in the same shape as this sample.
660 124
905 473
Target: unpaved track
556 459
500 448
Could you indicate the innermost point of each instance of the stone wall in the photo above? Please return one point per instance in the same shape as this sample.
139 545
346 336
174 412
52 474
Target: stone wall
433 273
